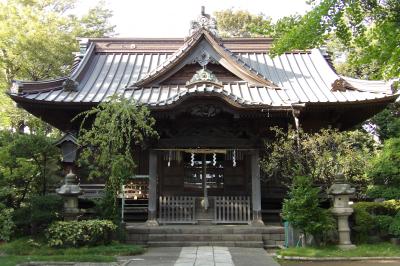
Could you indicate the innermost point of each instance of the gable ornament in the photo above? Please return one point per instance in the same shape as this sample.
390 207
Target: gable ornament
204 21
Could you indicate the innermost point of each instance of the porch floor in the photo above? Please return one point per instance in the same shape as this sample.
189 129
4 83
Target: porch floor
205 235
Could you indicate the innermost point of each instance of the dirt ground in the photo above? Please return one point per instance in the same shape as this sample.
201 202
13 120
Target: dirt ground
342 263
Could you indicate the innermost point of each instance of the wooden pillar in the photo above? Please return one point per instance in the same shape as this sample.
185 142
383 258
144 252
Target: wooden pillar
204 175
256 189
152 209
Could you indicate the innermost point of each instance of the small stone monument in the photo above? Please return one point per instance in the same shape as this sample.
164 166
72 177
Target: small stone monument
341 191
70 192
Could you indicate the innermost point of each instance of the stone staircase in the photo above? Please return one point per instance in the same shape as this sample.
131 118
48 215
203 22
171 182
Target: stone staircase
205 235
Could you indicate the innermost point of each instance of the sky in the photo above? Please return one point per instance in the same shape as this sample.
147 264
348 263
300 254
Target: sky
171 18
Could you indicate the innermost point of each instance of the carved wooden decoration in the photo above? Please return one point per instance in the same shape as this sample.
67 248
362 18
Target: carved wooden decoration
341 85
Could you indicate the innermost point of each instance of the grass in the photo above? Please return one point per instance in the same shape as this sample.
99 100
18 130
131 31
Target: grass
363 250
24 249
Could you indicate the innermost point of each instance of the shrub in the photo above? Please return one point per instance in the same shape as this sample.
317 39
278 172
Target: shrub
374 218
44 211
394 228
38 215
385 192
302 209
385 168
6 223
80 233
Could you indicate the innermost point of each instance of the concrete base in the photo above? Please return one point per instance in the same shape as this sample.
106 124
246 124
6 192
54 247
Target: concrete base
151 223
257 222
345 247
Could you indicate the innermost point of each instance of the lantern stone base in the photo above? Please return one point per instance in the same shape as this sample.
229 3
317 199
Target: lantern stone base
345 247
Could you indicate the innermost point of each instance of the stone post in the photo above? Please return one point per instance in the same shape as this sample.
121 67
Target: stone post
256 189
340 191
152 209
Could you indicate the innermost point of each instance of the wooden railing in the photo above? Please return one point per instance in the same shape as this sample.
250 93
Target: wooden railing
177 209
232 209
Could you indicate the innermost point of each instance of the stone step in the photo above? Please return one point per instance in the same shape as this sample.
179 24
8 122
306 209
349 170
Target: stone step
205 221
204 237
247 244
199 229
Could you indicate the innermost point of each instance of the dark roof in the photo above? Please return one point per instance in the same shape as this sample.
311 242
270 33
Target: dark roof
130 67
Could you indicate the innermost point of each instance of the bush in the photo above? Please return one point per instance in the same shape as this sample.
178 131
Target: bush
44 211
385 192
6 223
374 218
302 209
394 228
385 168
38 215
80 233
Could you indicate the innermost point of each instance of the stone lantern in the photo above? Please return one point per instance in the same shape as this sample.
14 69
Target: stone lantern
70 190
341 191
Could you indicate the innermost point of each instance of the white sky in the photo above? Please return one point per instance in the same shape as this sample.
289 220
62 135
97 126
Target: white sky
171 18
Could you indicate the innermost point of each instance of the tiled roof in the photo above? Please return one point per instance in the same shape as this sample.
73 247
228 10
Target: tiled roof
300 77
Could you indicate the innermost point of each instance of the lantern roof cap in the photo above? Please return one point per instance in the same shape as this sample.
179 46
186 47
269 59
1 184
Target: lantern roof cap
67 137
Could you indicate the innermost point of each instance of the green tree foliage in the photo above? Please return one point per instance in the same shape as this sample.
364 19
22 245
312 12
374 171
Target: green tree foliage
368 29
118 125
301 208
385 171
321 156
388 122
240 23
6 223
28 165
244 24
37 41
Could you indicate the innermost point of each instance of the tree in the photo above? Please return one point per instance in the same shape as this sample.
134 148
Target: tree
37 41
385 171
368 29
28 165
244 24
388 122
320 156
302 209
107 144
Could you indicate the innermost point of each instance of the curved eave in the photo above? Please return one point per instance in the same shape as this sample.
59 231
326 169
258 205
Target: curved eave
378 100
231 99
22 87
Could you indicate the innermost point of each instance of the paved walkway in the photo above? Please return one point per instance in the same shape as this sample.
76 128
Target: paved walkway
202 256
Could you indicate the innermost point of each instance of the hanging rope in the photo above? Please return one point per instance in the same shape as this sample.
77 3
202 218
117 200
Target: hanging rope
234 158
192 159
214 159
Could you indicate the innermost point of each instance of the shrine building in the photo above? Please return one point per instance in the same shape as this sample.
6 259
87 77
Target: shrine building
214 100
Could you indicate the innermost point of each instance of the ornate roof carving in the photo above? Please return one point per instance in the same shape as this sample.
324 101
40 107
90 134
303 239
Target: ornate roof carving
341 84
204 76
204 21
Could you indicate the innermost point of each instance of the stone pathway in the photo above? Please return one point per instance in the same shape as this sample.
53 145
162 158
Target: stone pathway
202 256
